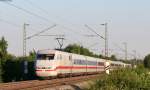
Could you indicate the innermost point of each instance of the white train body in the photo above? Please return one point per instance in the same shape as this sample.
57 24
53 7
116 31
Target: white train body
54 63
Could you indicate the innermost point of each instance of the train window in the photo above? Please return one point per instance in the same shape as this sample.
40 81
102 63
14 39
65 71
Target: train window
112 64
50 57
45 56
100 63
41 56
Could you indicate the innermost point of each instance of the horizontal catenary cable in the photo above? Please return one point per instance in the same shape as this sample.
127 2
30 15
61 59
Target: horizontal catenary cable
13 24
31 13
44 11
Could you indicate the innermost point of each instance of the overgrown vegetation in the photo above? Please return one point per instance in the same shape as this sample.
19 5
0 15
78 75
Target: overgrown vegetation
124 79
147 61
12 68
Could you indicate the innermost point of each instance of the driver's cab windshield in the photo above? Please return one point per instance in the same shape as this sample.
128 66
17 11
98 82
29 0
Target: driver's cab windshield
45 56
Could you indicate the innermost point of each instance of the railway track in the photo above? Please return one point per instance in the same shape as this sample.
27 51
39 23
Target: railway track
41 84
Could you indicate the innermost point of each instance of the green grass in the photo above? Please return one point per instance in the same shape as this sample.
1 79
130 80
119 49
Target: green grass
123 79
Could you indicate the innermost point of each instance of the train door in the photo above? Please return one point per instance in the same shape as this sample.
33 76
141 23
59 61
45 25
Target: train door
71 63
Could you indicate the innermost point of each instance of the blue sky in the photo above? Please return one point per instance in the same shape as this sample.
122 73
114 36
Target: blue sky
128 21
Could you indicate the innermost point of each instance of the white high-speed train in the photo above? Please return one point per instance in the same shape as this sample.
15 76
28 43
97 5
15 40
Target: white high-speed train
59 63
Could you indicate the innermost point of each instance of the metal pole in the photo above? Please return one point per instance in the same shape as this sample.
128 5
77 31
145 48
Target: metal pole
24 51
24 39
106 39
134 51
107 64
134 54
126 52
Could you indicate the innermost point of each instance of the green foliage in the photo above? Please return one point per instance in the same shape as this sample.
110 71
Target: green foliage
3 55
147 61
3 48
0 72
124 79
12 68
32 56
113 58
74 48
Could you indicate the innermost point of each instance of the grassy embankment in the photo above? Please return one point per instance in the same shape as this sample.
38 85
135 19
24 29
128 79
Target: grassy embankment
124 79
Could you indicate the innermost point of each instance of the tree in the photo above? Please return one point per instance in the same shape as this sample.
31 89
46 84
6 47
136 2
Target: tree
147 61
113 57
74 48
3 48
3 55
32 56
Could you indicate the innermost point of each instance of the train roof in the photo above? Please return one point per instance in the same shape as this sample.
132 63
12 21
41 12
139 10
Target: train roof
46 51
117 62
51 51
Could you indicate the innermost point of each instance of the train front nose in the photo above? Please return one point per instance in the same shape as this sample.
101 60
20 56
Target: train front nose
45 64
45 68
45 72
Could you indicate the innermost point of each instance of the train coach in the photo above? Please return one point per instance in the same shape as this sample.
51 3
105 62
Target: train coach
52 63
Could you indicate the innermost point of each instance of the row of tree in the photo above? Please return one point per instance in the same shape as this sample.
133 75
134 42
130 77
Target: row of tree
74 48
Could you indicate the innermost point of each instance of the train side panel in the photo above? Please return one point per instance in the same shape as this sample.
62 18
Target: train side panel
91 64
78 64
54 63
100 65
65 63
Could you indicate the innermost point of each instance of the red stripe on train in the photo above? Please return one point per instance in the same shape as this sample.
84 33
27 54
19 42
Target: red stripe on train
73 67
39 70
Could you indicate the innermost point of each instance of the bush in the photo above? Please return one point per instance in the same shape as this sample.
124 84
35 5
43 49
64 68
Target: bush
0 72
13 70
125 79
147 61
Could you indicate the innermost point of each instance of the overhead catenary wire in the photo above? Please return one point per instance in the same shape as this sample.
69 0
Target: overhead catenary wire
44 11
94 31
41 32
37 6
14 24
10 23
31 13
